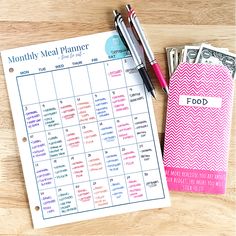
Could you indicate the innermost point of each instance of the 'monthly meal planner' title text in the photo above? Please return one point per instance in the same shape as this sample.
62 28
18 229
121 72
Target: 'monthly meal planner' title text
48 53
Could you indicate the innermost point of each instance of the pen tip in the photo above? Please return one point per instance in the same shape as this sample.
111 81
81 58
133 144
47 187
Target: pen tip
115 12
154 94
166 90
128 7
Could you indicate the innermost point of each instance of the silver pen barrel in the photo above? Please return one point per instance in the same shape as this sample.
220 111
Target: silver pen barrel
135 22
120 23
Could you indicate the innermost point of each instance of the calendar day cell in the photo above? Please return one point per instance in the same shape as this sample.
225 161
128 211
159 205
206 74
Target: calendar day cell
68 112
62 83
137 99
103 105
136 188
108 134
80 80
97 76
56 143
153 184
79 168
66 200
96 165
84 196
120 102
148 155
131 73
130 158
125 130
115 74
61 171
74 140
33 118
28 89
142 127
118 190
85 109
91 137
44 174
45 87
113 161
38 144
49 203
101 193
51 115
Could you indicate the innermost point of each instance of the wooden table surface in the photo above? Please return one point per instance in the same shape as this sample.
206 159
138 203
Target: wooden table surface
166 23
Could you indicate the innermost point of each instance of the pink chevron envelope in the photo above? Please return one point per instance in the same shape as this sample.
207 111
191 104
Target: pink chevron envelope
198 128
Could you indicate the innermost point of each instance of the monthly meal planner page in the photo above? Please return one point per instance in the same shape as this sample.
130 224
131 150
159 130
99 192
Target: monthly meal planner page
85 128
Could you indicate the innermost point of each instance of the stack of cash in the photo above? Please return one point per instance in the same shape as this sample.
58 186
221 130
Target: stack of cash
200 53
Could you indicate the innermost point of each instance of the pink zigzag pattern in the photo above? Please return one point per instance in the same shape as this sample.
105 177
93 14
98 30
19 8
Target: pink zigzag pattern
198 137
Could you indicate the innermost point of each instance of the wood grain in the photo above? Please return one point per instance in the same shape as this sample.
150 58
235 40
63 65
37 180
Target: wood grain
166 23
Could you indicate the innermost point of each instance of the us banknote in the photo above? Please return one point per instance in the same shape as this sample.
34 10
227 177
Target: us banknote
190 53
174 57
200 53
216 56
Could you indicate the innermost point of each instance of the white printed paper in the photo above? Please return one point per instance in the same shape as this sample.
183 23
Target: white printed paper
85 128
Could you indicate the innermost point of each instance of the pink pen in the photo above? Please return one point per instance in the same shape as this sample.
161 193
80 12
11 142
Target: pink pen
136 25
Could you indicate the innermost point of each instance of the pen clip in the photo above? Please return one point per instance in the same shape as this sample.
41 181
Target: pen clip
119 31
130 12
135 32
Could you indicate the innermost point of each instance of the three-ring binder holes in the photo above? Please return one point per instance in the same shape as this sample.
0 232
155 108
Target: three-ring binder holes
37 208
24 139
11 70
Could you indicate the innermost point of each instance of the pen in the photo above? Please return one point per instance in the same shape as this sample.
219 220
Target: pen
134 22
123 32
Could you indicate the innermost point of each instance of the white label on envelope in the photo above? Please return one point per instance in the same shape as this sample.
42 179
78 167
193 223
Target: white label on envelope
199 101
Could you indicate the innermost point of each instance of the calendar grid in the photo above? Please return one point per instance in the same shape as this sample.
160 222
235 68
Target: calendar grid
119 146
85 128
156 152
76 183
94 151
99 130
68 126
82 142
47 147
135 134
64 141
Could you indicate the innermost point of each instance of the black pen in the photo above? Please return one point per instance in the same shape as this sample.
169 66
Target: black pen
124 34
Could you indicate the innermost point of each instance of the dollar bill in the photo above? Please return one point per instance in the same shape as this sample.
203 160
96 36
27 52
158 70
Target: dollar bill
170 60
216 56
174 57
178 55
190 53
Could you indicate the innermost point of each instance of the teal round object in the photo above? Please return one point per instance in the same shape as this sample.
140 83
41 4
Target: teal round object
115 48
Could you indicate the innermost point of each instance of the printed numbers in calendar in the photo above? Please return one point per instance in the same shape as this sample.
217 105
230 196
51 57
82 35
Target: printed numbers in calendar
84 196
118 190
147 156
91 138
101 193
108 134
153 184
